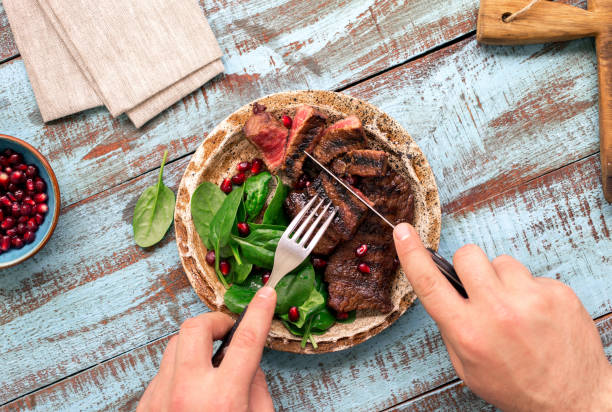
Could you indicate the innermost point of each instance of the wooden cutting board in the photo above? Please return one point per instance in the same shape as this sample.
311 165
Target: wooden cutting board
547 21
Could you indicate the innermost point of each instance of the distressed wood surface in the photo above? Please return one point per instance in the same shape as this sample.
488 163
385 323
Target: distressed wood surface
8 48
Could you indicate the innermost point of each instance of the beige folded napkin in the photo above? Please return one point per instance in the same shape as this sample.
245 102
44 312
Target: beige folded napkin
137 56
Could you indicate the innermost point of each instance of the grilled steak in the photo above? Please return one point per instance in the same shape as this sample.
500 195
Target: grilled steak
268 134
391 195
308 125
349 289
339 138
366 163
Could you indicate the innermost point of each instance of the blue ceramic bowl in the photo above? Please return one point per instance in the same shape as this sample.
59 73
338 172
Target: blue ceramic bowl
43 234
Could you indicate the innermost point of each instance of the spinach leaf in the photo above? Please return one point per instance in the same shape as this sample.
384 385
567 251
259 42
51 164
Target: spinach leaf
323 321
351 317
259 246
256 191
274 214
154 212
256 226
205 202
308 336
238 296
312 305
221 227
241 272
294 288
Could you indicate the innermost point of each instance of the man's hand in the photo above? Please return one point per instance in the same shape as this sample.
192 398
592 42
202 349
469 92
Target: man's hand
519 342
187 380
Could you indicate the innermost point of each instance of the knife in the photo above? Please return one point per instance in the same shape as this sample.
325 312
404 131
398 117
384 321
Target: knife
445 267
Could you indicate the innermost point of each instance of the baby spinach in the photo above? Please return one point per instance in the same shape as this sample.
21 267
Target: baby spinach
256 191
322 321
241 271
154 212
205 202
238 296
313 304
274 213
221 226
294 288
351 317
259 246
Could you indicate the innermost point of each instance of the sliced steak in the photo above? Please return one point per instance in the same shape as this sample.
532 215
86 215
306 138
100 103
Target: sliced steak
306 130
339 138
391 195
269 135
367 163
349 289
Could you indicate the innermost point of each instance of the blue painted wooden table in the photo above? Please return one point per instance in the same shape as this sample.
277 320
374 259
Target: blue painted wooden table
511 134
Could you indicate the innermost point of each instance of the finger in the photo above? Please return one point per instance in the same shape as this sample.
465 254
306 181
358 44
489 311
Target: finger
195 339
439 298
244 351
145 401
511 271
475 271
454 358
260 399
160 386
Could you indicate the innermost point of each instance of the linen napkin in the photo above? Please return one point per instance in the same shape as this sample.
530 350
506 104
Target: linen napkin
138 57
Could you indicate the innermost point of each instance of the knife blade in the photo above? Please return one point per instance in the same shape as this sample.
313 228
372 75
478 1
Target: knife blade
445 266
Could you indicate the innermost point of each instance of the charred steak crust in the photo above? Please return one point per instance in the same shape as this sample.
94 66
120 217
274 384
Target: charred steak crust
306 130
268 135
366 163
391 195
339 138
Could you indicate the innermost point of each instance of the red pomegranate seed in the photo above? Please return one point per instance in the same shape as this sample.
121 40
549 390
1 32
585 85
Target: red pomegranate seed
239 178
265 277
294 314
7 223
256 166
319 263
351 180
1 215
243 229
363 268
21 228
224 267
287 121
3 161
11 232
17 177
26 210
210 257
30 185
16 242
39 185
4 179
342 315
32 225
22 219
301 182
8 170
14 159
28 201
22 167
31 171
244 166
16 209
11 197
19 195
29 237
5 201
42 208
40 197
226 186
39 219
361 250
5 243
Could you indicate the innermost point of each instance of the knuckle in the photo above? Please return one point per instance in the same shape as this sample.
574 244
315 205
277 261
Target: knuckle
469 342
465 251
245 338
426 286
192 323
502 260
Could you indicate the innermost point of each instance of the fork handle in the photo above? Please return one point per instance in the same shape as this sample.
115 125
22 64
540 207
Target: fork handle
448 271
222 349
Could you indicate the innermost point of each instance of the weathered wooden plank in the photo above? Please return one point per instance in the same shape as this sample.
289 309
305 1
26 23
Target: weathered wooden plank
105 296
268 47
8 48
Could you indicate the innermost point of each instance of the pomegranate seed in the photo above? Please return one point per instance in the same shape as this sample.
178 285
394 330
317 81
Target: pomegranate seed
39 219
7 223
16 209
23 219
351 180
224 267
5 201
361 250
301 182
294 314
5 243
16 242
42 208
287 122
243 229
30 185
244 166
3 161
32 225
308 183
32 171
17 177
19 195
11 232
8 170
239 179
26 210
363 268
40 197
319 263
210 257
14 159
342 315
21 228
29 237
40 185
1 215
28 201
22 167
265 277
226 186
256 166
4 179
11 197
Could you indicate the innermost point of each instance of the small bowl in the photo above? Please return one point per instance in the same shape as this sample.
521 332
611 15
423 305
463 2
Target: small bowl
43 234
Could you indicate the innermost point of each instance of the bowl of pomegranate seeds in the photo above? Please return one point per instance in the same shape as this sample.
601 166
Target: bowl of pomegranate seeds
29 201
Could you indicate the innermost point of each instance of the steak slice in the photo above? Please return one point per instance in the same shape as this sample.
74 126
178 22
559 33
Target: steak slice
391 195
349 289
365 163
268 134
339 138
308 125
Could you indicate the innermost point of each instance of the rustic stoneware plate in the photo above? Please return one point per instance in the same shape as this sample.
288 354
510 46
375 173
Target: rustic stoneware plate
226 146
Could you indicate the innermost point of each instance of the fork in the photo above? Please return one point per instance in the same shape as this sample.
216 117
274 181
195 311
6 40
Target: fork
292 250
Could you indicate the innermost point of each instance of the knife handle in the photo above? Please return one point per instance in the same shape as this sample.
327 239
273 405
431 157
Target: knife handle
448 271
220 352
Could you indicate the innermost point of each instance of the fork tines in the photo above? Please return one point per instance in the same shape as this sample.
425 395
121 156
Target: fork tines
305 224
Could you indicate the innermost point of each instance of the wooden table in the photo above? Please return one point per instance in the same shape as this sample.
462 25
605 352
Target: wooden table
511 134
